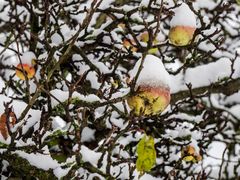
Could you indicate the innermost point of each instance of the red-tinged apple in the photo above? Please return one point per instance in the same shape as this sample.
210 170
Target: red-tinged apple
149 100
151 94
182 25
25 69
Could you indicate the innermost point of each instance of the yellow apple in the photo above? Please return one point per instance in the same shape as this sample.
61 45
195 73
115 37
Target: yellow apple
145 38
149 100
181 35
28 69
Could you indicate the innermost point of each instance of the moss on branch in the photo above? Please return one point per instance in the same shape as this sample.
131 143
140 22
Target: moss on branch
20 167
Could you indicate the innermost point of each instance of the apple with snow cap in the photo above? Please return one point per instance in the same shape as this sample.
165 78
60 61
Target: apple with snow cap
152 92
183 26
26 68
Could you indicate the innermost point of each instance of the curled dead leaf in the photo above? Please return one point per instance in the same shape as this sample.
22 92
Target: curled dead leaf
6 120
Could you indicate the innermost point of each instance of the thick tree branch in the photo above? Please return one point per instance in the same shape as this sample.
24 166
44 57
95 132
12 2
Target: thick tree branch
227 88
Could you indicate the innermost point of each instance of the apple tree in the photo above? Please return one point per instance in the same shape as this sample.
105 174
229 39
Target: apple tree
120 89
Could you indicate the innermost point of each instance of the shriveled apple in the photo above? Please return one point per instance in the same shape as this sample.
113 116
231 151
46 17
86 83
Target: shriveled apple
189 154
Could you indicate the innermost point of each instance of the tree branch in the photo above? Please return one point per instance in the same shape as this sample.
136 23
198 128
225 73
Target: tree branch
227 88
